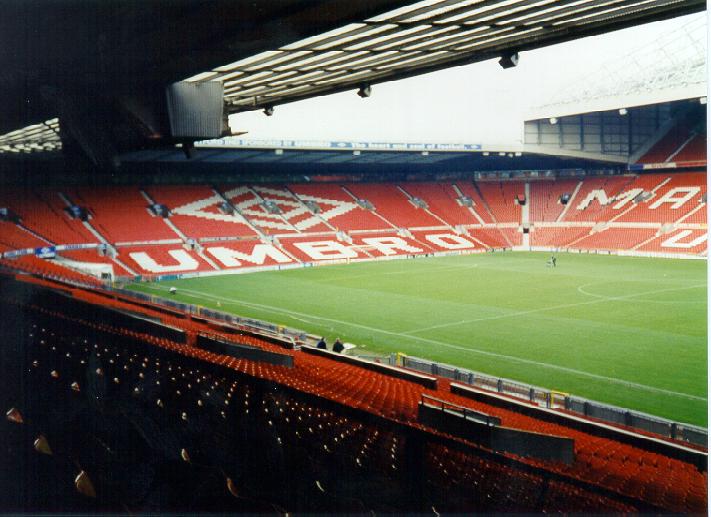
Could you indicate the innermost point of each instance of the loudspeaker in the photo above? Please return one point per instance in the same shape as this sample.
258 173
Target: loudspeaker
195 109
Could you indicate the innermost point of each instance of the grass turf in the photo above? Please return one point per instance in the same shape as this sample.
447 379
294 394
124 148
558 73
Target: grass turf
626 331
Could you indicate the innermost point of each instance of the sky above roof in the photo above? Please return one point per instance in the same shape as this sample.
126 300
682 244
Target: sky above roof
479 103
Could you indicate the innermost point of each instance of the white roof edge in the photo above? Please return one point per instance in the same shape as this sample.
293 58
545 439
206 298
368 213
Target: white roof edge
358 145
680 93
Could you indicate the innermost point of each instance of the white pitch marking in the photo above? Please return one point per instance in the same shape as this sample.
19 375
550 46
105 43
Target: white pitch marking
573 371
544 309
581 290
404 272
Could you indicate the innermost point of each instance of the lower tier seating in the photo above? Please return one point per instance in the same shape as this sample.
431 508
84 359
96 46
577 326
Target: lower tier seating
319 408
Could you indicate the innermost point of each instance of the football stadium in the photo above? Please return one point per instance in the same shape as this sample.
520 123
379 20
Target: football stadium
223 291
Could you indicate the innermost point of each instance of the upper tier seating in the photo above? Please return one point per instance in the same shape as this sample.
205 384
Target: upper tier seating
682 189
339 208
120 214
589 203
682 144
638 205
394 205
545 202
693 152
441 199
14 237
667 145
42 211
500 197
479 206
293 210
195 211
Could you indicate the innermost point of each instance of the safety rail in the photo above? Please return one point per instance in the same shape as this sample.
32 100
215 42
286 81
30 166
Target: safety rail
547 398
466 413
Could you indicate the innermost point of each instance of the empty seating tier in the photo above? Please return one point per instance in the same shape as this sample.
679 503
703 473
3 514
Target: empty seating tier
394 205
43 212
238 226
545 204
121 215
501 199
443 201
338 207
196 210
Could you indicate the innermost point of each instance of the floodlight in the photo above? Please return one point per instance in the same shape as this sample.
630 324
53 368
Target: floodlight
364 91
702 100
623 111
553 120
509 60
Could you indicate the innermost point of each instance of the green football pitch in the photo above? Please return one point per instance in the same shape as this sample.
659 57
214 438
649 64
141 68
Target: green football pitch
626 331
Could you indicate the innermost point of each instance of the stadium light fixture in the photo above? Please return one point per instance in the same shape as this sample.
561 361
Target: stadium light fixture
623 111
356 153
702 100
425 153
269 111
553 120
279 152
509 60
485 153
364 91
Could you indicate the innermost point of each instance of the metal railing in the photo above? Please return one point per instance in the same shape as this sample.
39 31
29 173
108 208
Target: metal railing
464 412
551 399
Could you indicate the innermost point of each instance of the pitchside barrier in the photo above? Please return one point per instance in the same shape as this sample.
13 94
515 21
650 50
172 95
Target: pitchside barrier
285 336
553 399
